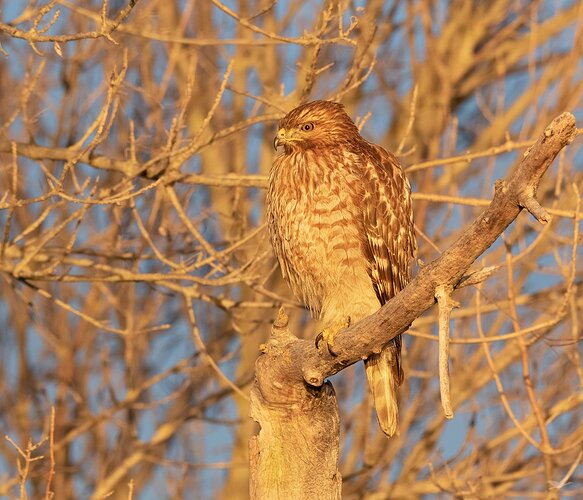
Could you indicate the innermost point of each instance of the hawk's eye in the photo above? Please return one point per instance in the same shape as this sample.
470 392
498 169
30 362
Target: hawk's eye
308 126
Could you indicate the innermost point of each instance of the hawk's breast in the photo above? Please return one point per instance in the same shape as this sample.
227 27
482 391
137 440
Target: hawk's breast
313 206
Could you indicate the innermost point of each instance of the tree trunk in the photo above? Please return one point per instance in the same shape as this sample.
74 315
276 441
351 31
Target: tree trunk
295 455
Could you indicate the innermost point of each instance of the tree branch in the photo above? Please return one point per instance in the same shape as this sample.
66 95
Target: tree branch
445 304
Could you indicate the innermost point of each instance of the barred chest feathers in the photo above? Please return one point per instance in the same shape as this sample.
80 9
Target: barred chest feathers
314 228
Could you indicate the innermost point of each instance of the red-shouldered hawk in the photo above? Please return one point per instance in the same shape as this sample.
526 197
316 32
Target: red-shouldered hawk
341 225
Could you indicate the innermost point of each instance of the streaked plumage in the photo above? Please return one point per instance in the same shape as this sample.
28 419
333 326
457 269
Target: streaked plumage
341 225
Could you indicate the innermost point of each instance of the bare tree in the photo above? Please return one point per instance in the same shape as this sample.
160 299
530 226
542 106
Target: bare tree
138 284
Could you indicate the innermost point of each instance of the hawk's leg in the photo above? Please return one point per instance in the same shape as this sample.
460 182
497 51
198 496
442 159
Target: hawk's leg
328 334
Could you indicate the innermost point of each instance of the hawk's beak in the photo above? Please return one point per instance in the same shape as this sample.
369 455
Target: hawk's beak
279 139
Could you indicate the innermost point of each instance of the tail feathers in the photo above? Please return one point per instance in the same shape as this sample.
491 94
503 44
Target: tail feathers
384 375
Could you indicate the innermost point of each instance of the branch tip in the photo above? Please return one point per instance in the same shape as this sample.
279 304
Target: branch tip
282 319
476 277
536 210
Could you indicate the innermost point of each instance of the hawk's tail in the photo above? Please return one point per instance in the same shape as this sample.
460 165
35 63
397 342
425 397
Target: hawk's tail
385 375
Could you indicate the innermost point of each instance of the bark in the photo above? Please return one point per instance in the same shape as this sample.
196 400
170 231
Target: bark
295 454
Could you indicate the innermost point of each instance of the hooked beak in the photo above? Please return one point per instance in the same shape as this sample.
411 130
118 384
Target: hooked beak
280 139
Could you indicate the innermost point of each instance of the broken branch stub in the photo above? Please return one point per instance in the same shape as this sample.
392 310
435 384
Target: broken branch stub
445 304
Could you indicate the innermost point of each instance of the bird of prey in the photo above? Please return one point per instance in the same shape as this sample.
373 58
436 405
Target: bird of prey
341 225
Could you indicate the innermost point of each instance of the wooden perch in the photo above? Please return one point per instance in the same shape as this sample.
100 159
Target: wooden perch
296 452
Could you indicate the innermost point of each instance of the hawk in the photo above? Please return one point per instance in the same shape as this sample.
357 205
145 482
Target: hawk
341 225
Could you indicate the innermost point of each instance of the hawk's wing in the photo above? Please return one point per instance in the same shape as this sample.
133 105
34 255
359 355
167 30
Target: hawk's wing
387 219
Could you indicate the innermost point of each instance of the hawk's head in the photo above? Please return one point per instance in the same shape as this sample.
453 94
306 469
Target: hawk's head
316 124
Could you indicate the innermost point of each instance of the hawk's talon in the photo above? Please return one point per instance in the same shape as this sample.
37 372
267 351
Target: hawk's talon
331 352
319 338
328 334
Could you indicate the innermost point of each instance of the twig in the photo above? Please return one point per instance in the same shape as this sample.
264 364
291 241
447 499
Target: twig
13 197
202 348
210 250
446 304
24 467
211 113
307 39
34 36
507 147
524 358
477 276
412 109
48 493
131 486
558 485
498 381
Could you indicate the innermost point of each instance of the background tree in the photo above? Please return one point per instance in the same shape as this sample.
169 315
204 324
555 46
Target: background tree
138 282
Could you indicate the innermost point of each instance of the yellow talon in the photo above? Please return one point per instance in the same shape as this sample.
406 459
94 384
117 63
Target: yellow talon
328 334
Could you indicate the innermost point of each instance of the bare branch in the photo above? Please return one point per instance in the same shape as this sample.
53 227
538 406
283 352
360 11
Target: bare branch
446 304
